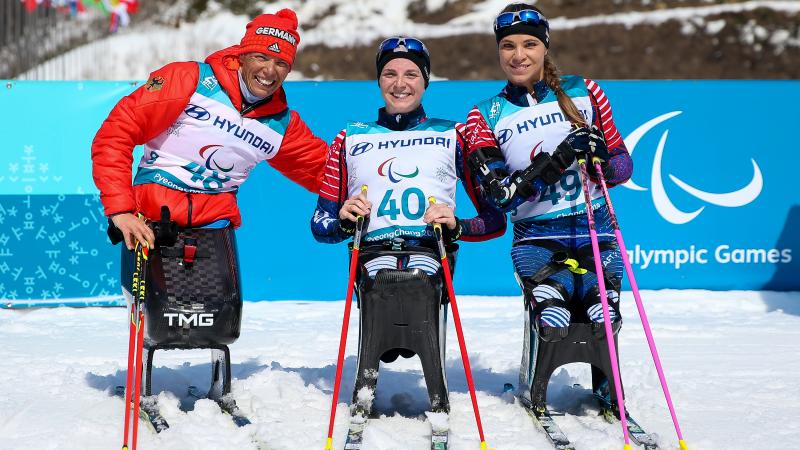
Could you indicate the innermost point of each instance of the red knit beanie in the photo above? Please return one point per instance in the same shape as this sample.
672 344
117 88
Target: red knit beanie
272 34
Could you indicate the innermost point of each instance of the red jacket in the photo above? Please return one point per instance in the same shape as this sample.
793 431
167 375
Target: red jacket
152 108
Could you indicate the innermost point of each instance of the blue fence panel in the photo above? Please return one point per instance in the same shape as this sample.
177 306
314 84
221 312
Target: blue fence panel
711 204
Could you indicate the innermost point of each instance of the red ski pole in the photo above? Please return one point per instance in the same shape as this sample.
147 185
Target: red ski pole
345 322
448 281
137 389
135 346
131 355
128 401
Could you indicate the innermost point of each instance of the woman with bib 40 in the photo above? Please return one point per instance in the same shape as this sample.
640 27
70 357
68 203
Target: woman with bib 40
385 172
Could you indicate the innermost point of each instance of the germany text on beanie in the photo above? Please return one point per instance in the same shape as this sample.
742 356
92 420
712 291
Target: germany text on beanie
272 34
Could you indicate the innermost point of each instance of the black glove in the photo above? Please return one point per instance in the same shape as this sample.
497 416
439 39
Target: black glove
454 234
561 160
347 227
544 170
590 144
578 140
598 152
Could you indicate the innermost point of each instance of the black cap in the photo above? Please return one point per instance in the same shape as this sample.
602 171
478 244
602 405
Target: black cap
422 60
541 31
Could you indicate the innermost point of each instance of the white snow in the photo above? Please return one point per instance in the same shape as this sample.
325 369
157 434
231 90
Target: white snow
365 395
438 420
715 26
133 53
730 357
631 19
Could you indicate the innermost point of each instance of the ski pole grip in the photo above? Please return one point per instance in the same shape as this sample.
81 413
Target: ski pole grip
360 218
436 226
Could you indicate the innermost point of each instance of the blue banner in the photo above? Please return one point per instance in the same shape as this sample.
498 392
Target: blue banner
710 205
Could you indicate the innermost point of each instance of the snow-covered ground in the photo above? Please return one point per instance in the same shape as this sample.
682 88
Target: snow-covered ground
731 359
134 52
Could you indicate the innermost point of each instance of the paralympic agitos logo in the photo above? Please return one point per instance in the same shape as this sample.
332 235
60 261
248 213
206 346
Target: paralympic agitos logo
661 200
386 170
208 153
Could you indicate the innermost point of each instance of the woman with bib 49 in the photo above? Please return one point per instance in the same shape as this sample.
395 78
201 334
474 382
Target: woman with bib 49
522 146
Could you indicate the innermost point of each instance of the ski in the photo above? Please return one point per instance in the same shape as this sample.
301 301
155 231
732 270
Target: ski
355 431
439 439
228 406
440 429
148 410
635 431
542 418
440 433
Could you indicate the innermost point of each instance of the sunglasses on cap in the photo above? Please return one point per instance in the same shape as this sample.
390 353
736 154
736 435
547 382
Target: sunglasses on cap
403 44
530 16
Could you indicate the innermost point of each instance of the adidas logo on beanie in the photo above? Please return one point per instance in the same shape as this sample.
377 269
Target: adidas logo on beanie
272 34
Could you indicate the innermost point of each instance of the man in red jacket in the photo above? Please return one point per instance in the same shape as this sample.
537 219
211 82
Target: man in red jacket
204 127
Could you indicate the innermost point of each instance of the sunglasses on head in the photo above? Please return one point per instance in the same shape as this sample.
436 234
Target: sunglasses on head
403 44
530 16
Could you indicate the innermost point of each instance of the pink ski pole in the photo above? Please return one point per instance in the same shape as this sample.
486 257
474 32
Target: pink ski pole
598 267
639 305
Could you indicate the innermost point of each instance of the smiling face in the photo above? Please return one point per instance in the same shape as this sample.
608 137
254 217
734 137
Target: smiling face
263 74
402 86
522 59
